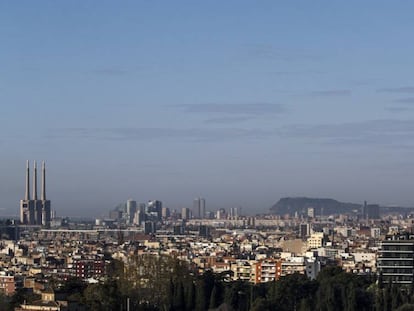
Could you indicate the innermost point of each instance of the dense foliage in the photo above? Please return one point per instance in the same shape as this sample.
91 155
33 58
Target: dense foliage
167 284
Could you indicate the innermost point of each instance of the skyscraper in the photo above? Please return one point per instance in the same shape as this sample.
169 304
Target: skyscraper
131 210
199 208
185 213
370 211
32 210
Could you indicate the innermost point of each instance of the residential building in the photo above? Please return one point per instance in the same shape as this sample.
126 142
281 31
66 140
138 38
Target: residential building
395 261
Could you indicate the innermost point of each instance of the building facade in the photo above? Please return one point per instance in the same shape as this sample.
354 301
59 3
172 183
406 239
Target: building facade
395 261
199 208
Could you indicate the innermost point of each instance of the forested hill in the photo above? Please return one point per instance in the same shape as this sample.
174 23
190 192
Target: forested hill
300 206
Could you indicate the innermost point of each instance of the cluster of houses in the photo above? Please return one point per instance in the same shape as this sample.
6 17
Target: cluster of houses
40 258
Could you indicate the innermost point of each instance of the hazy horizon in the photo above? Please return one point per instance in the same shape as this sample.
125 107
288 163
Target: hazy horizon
240 103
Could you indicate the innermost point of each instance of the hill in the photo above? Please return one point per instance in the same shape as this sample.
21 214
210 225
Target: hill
300 206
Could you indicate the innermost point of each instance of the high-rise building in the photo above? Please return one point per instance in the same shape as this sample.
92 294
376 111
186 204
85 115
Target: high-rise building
139 217
304 230
370 211
131 209
155 207
234 213
32 210
150 227
395 263
199 208
364 210
221 214
185 213
373 211
165 213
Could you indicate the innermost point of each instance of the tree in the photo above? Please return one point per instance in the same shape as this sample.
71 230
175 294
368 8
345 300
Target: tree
205 285
215 297
395 297
104 297
178 301
260 304
406 307
351 298
190 296
305 305
73 285
379 300
4 302
387 297
22 295
148 278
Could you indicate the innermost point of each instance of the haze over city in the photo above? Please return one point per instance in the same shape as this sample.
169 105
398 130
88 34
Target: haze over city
237 102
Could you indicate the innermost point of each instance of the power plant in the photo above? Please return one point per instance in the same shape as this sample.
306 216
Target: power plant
32 210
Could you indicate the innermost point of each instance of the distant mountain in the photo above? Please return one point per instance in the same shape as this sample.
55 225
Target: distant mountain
397 210
300 206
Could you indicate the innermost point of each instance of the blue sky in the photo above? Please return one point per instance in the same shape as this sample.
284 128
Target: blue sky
240 102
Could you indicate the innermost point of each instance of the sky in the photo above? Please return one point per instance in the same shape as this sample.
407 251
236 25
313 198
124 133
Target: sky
239 102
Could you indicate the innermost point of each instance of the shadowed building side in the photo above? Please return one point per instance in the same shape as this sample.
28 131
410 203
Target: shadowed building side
199 208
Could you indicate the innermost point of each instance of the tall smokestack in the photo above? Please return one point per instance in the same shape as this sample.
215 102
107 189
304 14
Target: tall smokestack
34 181
27 194
43 195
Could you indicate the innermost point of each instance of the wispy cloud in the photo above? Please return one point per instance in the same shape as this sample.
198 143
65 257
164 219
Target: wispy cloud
186 134
403 89
331 93
268 51
110 71
235 109
397 109
407 100
378 132
227 120
388 133
299 72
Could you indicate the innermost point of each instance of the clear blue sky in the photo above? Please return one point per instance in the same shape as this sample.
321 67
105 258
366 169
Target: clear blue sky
240 102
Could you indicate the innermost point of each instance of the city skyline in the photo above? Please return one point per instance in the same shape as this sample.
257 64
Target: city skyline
240 103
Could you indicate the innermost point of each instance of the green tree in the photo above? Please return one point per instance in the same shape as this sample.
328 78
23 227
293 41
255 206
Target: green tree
190 296
147 278
103 297
216 297
169 301
351 298
4 303
395 297
260 304
205 285
179 302
22 295
387 298
406 307
305 305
